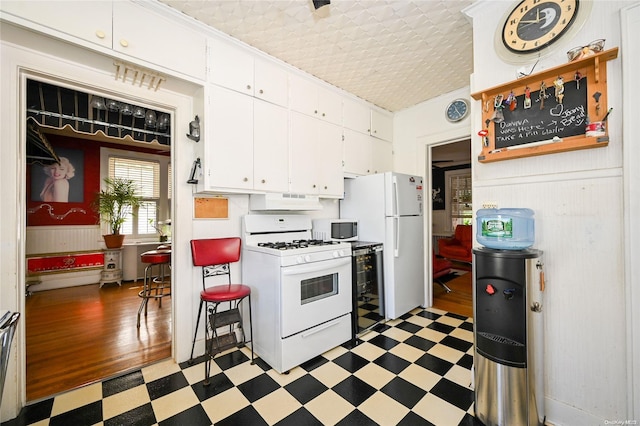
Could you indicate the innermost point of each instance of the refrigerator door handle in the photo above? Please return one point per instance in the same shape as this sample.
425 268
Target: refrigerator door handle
396 234
396 201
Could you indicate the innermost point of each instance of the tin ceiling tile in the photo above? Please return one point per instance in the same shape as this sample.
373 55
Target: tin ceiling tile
392 53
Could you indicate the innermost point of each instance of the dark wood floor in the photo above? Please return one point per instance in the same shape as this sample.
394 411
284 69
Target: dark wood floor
460 300
80 335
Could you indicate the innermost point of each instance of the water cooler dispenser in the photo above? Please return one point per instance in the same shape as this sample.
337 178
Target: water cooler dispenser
508 323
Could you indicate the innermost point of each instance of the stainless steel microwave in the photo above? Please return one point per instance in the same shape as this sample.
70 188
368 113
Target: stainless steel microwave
335 229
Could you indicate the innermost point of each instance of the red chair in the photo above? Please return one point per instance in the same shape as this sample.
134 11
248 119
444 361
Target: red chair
441 267
215 256
459 247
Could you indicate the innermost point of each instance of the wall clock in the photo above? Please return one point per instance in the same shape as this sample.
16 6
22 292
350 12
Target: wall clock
457 110
532 26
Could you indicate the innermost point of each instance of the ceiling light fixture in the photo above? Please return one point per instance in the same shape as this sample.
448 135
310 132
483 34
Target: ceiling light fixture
319 3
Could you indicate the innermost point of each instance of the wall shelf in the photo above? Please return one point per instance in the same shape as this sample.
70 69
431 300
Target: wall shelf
593 71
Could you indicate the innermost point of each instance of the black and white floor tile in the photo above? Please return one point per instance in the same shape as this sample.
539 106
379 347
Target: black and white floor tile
415 370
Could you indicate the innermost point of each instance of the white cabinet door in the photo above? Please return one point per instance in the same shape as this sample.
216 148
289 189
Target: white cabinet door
356 116
381 126
312 99
303 158
140 33
87 20
230 66
357 153
381 156
303 95
229 140
329 158
270 147
271 82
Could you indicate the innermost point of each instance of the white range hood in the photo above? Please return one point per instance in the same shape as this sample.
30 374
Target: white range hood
284 202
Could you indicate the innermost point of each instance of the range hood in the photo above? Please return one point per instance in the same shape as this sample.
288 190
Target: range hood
284 202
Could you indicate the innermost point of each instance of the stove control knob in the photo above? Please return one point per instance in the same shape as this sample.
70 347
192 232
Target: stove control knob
307 258
299 259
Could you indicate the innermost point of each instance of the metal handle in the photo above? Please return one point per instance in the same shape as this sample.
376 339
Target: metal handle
320 328
306 269
396 243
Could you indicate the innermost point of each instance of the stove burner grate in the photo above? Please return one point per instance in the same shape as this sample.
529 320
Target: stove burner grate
295 244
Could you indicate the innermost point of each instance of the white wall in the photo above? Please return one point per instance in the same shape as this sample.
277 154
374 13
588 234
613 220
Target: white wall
578 200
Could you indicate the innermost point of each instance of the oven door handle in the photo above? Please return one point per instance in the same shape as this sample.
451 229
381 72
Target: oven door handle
319 328
316 267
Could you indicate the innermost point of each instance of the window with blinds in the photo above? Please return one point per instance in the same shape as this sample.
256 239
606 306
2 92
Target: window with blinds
461 200
146 174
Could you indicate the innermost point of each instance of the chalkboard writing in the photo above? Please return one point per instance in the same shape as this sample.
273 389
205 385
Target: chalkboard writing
522 126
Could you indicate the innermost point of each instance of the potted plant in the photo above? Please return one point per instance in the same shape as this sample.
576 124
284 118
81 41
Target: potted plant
114 203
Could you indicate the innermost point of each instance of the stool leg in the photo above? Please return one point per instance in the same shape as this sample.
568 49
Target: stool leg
144 295
193 345
251 329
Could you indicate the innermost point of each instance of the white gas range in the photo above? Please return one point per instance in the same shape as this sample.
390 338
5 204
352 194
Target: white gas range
301 289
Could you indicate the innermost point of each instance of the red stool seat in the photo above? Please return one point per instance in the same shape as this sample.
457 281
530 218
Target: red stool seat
225 293
156 256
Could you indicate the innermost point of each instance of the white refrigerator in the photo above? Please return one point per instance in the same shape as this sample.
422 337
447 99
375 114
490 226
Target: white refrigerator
389 209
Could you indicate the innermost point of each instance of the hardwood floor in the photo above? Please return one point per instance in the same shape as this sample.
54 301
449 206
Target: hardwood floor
460 300
80 335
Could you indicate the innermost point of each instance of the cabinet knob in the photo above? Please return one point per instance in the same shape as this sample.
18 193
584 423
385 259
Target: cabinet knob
261 91
326 187
248 87
100 34
245 180
315 111
124 43
323 114
264 181
313 186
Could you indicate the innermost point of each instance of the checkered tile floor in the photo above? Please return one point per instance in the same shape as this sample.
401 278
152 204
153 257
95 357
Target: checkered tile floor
415 370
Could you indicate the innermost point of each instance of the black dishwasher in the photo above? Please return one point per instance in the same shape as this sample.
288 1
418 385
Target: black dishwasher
368 286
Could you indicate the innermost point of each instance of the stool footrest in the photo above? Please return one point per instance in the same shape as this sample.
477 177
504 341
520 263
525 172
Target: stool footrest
220 319
221 343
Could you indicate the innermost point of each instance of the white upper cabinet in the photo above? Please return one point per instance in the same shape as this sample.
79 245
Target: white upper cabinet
357 153
240 70
316 157
381 125
123 26
312 99
271 82
87 20
356 116
364 154
228 140
141 33
381 156
270 147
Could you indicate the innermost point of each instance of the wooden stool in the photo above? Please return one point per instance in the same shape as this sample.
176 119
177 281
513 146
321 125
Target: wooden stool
153 288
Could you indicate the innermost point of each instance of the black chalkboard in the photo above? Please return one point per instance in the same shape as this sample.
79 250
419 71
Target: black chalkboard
522 126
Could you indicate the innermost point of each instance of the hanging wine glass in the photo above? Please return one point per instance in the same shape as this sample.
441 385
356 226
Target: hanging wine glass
98 104
163 122
138 112
126 109
113 105
150 119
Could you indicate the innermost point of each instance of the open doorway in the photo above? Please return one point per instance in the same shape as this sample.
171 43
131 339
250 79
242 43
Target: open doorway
452 206
81 301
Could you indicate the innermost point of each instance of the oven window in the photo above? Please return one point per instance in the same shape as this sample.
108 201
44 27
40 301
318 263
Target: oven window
317 288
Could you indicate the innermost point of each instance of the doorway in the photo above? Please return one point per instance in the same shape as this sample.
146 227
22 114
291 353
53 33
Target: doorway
80 316
451 205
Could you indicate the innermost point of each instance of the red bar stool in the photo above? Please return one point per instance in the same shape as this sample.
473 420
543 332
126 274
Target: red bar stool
214 256
154 288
